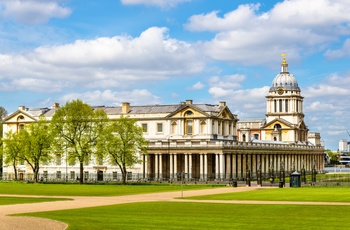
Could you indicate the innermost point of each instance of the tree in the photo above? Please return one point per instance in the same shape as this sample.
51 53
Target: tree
36 139
12 150
3 114
77 126
122 141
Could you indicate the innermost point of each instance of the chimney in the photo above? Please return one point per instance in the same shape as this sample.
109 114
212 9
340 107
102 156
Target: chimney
222 103
125 107
56 105
189 102
21 107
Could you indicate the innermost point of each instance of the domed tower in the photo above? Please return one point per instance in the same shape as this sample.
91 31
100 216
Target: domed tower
284 109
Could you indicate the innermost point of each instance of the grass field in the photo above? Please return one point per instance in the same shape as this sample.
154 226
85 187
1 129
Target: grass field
24 200
91 190
330 194
187 215
174 215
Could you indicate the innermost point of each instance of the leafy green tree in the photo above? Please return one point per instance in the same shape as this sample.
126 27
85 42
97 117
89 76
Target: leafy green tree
12 150
122 141
3 114
77 126
36 139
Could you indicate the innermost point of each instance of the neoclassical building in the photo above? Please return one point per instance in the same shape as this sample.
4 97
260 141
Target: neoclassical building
201 142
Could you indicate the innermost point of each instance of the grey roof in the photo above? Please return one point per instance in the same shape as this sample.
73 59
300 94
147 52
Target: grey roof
145 109
286 81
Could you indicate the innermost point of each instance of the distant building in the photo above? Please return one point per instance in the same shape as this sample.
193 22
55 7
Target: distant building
344 146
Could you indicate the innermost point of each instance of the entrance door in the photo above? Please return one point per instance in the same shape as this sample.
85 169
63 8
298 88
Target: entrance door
21 176
99 175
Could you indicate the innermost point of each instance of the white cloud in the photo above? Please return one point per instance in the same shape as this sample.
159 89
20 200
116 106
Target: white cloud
159 3
247 36
109 97
199 85
33 11
104 62
227 82
339 53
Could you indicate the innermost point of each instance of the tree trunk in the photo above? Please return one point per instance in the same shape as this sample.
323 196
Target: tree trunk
81 179
124 175
15 171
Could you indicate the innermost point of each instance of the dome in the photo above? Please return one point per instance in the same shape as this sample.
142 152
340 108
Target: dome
285 80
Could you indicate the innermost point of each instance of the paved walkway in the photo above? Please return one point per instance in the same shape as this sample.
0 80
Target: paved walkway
31 223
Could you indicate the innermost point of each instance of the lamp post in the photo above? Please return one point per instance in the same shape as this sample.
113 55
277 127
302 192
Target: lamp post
66 165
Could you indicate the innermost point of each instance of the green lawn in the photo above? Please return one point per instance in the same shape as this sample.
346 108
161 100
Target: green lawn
23 200
91 190
180 215
330 194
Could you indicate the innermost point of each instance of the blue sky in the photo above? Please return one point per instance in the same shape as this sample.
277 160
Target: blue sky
167 51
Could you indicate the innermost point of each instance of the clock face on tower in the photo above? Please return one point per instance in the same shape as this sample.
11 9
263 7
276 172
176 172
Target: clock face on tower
280 91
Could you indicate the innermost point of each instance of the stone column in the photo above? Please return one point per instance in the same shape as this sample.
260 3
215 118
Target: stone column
205 176
156 175
175 166
228 167
217 166
145 167
239 166
171 166
234 166
201 171
160 166
222 166
186 165
190 166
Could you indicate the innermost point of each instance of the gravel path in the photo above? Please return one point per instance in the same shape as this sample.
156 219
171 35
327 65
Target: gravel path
31 223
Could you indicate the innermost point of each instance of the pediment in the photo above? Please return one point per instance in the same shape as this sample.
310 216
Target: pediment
19 116
284 124
188 111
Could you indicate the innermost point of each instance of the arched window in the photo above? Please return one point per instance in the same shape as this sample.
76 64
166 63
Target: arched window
286 105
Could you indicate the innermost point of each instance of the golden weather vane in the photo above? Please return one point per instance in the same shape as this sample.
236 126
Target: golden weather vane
284 55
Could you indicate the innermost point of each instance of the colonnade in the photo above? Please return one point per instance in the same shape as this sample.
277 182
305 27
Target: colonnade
225 165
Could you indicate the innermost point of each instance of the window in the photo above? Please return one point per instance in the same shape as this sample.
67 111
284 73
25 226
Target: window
115 175
58 175
297 105
244 138
189 127
159 127
72 175
129 176
280 105
286 106
189 113
144 127
45 174
58 159
21 127
86 175
275 105
256 136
